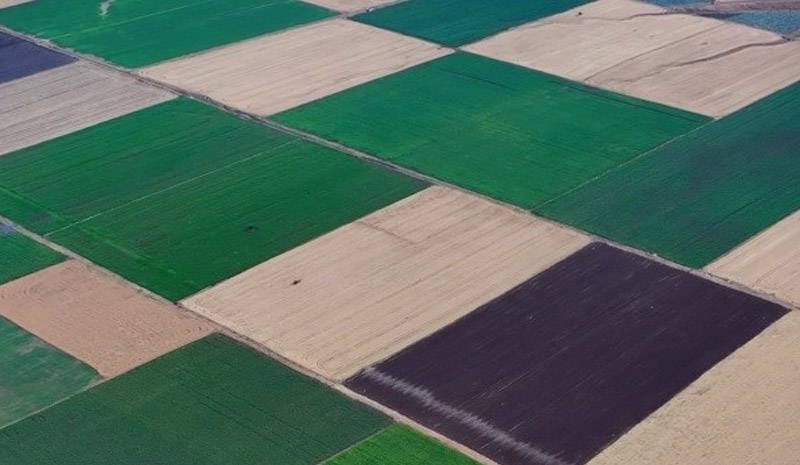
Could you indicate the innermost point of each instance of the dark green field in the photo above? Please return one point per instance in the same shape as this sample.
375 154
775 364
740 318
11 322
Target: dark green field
511 133
180 196
34 375
135 33
458 22
213 402
20 256
703 194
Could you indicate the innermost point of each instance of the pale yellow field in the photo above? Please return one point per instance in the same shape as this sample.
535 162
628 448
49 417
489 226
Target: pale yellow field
361 293
95 318
65 99
277 72
769 262
741 412
696 63
349 6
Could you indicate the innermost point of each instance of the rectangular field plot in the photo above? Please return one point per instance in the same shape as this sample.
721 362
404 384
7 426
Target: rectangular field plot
400 445
743 411
212 402
361 293
769 262
20 58
135 33
179 196
553 371
62 100
280 71
20 255
95 318
349 6
458 22
34 375
514 134
695 63
703 194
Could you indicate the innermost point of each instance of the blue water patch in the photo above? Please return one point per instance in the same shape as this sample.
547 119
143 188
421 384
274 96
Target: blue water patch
20 58
786 22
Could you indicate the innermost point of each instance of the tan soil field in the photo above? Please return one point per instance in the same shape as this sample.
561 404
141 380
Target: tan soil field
65 99
349 6
280 71
769 262
361 293
741 412
691 62
8 3
95 318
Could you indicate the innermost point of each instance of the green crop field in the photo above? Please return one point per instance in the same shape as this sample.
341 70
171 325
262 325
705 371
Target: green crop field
135 33
458 22
400 445
508 132
34 375
179 196
20 256
213 402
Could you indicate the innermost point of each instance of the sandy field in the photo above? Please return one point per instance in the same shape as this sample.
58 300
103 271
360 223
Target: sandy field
361 293
741 412
8 3
65 99
348 6
691 62
96 319
769 262
277 72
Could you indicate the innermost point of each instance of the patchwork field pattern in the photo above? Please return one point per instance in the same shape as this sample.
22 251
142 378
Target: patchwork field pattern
20 255
696 63
20 58
277 72
530 377
186 178
514 134
361 293
65 99
135 33
702 194
350 6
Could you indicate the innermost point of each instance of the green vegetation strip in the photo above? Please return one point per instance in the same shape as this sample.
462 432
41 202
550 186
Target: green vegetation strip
135 33
508 132
400 445
458 22
20 256
179 196
213 402
701 195
34 375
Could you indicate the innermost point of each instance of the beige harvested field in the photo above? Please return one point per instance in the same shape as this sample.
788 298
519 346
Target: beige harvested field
64 99
95 318
349 6
361 293
277 72
741 412
8 3
769 262
696 63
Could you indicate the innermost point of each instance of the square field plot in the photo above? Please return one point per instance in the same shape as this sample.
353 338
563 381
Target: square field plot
20 58
361 293
62 100
514 134
135 33
34 375
212 402
458 22
695 63
280 71
179 196
96 318
742 411
20 255
556 369
699 196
